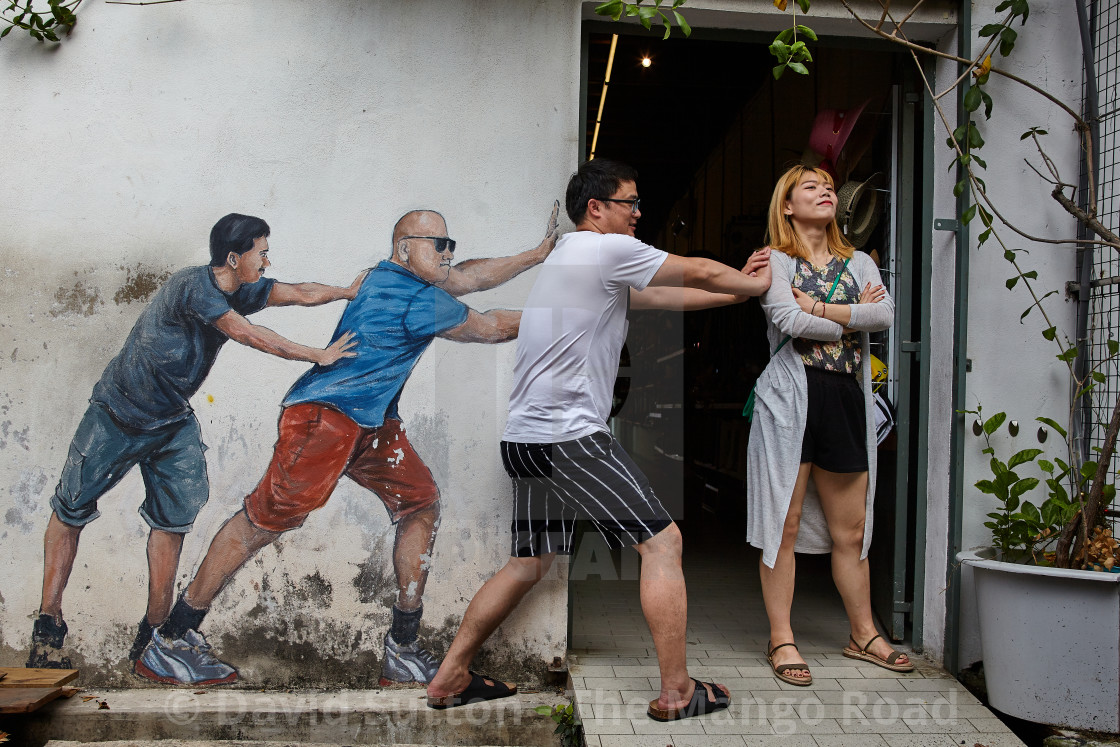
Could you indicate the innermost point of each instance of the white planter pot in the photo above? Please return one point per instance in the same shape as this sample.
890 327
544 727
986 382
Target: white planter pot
1051 643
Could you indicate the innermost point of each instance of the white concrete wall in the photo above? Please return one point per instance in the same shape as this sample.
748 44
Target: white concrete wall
329 120
1013 367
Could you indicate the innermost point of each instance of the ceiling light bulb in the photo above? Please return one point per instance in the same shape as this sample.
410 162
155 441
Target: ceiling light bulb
646 62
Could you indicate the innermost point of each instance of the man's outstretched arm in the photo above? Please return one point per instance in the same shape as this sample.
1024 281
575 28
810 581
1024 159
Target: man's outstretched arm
691 299
496 325
313 294
482 274
237 327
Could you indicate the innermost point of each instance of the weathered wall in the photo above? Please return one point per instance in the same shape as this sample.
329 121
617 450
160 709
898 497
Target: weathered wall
329 120
1013 367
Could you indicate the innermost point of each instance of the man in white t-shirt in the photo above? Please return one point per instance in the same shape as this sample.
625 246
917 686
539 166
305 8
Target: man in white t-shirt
557 447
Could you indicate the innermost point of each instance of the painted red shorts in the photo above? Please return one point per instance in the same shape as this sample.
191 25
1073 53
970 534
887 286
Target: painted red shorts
316 447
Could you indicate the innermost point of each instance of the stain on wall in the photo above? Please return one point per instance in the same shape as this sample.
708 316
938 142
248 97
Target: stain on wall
76 299
139 284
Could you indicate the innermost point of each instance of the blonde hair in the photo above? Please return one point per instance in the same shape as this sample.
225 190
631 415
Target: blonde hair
780 232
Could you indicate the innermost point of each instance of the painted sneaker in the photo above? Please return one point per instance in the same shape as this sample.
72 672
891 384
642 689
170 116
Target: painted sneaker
46 644
183 661
406 663
143 636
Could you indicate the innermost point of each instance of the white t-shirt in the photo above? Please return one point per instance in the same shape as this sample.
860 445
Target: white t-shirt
572 331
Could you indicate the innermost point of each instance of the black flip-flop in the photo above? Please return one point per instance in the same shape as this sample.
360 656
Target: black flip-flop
697 706
476 692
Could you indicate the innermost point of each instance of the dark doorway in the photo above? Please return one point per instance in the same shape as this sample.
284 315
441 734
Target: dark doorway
710 130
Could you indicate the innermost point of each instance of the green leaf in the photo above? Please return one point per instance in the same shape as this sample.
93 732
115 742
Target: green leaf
777 71
985 486
804 5
1022 457
1061 432
786 36
1046 466
1011 282
984 236
1050 333
1009 255
972 99
990 29
1098 377
797 67
974 138
1113 347
1012 502
806 31
6 31
968 214
987 104
1003 6
1032 275
959 187
609 8
668 27
979 160
1068 355
992 424
1025 313
546 710
1088 469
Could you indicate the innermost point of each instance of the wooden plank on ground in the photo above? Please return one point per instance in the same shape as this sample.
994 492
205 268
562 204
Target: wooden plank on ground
19 677
26 699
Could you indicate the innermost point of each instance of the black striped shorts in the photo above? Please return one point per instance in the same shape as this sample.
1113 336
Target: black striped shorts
590 478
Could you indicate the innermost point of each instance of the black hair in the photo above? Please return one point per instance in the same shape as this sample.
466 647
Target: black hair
234 233
595 180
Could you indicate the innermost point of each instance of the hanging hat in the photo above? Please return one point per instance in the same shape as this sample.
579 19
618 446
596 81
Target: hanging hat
830 131
858 209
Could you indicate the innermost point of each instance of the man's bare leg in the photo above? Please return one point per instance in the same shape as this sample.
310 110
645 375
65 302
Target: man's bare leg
163 562
60 547
490 605
235 543
665 607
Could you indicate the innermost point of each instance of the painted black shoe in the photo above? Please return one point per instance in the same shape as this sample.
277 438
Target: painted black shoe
46 645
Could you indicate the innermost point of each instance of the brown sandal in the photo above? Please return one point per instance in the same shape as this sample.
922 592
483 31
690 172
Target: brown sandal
891 662
780 671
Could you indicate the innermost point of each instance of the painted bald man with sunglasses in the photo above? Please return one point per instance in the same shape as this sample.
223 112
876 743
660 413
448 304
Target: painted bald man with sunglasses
343 420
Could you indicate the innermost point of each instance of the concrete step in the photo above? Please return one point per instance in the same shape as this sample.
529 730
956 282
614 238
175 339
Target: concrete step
213 743
254 719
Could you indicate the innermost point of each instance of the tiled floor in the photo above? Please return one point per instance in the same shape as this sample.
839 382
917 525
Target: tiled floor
850 703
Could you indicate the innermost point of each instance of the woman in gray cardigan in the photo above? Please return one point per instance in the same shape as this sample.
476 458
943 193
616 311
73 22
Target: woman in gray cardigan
811 455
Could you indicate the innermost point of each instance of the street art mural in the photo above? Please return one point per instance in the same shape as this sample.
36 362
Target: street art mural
340 418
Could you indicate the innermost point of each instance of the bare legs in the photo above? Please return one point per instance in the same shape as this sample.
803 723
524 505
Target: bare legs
843 500
235 543
663 603
412 555
778 582
490 605
60 548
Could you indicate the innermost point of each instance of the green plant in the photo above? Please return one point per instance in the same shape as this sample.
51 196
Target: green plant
568 725
1020 529
41 26
647 14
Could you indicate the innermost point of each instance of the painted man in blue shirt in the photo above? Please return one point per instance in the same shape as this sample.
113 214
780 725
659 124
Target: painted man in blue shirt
343 420
140 414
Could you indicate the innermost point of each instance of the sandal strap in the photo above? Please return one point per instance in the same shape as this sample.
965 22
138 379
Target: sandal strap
863 649
780 645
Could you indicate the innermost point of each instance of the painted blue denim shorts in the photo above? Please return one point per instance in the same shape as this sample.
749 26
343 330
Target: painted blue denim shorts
103 451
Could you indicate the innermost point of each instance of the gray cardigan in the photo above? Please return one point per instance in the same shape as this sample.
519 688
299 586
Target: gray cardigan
774 450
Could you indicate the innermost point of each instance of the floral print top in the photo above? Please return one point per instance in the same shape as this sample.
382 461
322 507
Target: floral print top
843 355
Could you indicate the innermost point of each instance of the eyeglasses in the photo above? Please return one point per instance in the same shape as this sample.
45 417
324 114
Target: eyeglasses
632 203
441 243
